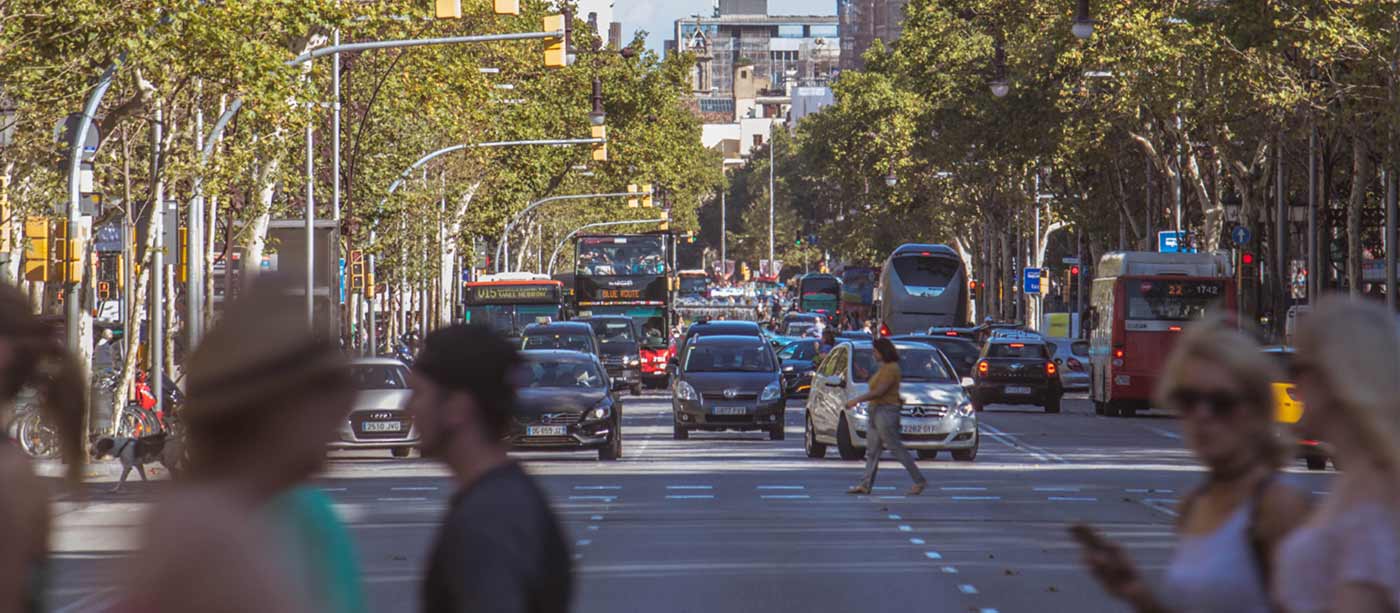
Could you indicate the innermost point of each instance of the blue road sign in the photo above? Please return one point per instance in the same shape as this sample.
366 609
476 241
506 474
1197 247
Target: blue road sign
1174 242
1031 280
1241 236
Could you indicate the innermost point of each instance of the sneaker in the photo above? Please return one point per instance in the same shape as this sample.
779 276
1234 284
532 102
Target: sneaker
917 489
858 490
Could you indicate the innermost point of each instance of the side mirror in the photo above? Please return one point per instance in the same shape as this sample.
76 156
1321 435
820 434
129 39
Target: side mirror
967 382
835 381
619 384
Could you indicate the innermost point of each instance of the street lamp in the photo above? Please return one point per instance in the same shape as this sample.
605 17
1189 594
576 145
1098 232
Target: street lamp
1000 85
1083 25
891 180
598 117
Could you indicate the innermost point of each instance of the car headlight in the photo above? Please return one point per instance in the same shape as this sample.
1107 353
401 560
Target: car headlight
685 392
601 412
771 393
633 361
862 410
965 408
789 368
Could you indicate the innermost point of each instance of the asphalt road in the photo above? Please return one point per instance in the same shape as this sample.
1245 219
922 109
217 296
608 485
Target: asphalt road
734 522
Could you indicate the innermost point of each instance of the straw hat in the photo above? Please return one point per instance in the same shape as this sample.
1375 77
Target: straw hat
260 349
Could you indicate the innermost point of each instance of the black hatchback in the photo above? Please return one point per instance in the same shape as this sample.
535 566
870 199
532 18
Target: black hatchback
1017 371
620 346
566 402
728 383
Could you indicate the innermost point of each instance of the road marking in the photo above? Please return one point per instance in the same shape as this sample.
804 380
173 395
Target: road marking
890 497
933 555
895 517
413 489
905 528
690 497
1055 489
989 611
1161 505
332 489
1011 440
971 498
1072 499
583 543
782 487
690 487
593 528
963 489
86 601
785 497
967 588
883 488
1140 490
949 570
1167 433
596 488
916 541
602 498
403 500
596 518
578 556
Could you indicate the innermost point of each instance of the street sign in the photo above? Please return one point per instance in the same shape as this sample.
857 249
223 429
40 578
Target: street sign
1070 261
1241 235
1174 242
1031 281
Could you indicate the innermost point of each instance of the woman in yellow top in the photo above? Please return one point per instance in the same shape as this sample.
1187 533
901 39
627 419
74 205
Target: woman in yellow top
885 405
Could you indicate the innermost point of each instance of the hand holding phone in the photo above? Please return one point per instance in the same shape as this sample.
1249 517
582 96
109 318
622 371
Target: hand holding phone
1112 567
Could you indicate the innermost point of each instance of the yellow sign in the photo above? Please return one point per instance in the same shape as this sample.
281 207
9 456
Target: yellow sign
1057 325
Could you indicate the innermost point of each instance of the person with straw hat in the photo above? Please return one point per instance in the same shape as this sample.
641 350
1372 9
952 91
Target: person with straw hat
265 396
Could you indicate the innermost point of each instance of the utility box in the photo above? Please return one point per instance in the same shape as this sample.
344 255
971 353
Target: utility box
286 240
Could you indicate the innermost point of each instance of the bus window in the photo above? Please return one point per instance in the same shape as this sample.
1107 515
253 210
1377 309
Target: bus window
926 276
1165 300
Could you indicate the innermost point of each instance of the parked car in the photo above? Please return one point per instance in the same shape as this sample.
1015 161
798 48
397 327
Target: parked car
1288 407
379 419
1017 370
798 360
567 401
1072 358
962 353
619 342
565 335
938 415
726 382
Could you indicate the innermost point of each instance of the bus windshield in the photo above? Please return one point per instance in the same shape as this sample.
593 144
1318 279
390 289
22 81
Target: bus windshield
1170 300
510 319
621 256
694 286
925 276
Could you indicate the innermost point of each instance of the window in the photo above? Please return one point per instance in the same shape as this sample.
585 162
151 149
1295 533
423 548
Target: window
925 272
377 377
915 365
801 350
613 331
571 342
835 363
563 373
1018 350
792 31
729 358
824 31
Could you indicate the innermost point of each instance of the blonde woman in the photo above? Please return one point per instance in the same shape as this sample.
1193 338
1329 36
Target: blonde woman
1228 528
1346 557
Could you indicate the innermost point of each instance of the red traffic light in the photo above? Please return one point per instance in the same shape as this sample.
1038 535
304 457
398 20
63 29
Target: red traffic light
1247 258
1074 270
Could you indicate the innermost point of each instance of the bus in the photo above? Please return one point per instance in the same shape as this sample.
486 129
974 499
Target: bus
628 274
695 284
510 301
820 293
921 287
858 291
1139 303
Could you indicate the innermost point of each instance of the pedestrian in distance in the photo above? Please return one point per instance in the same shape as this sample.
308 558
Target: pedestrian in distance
244 531
500 547
1228 528
884 408
828 342
32 357
1346 556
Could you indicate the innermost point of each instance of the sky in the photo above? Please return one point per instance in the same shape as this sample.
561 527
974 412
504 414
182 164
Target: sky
658 17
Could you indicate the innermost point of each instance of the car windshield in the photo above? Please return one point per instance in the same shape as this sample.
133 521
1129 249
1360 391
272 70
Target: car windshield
802 350
613 331
1080 349
1017 350
958 351
915 364
729 358
571 342
562 373
378 377
799 328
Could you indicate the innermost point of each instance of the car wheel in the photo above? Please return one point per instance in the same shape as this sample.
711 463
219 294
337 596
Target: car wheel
810 444
680 433
1053 406
402 452
977 404
847 450
777 432
636 389
612 450
967 455
1098 408
928 454
1316 462
1110 409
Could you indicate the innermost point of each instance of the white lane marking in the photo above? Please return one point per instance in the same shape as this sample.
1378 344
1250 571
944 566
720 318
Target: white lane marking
971 498
596 488
949 570
413 489
86 602
596 518
782 487
403 500
916 541
1142 490
1055 489
785 497
1011 440
578 556
1072 499
332 489
890 497
602 498
905 528
583 543
1167 433
690 497
883 488
1161 505
690 487
593 528
895 517
961 488
989 611
933 555
967 588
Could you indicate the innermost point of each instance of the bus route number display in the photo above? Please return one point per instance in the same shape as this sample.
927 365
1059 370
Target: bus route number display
507 294
1182 289
619 294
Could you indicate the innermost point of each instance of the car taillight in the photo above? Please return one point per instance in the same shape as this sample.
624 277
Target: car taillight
982 367
884 330
1118 353
950 334
1075 364
1050 369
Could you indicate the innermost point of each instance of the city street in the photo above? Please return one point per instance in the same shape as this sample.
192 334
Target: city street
734 522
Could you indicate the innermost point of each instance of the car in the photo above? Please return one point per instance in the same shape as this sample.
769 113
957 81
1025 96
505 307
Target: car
379 417
1072 358
960 332
715 328
727 382
1288 407
803 324
567 335
619 343
567 402
1017 370
938 414
854 335
798 360
962 353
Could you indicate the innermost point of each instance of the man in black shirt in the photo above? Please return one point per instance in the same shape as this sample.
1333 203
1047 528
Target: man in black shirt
500 549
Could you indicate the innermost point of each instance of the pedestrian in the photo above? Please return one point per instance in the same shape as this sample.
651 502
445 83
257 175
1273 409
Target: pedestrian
828 342
1346 556
1228 528
245 532
500 547
884 408
32 357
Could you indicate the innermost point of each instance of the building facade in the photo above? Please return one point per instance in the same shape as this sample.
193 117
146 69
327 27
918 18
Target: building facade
862 22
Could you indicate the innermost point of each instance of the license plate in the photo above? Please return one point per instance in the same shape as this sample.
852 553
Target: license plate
547 431
382 426
1017 389
918 429
731 410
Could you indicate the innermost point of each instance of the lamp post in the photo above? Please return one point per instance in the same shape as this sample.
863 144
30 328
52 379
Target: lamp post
723 219
891 180
1083 27
1000 85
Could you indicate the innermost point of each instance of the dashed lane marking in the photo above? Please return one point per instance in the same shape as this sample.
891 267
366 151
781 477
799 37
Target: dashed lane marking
949 570
690 487
690 497
974 498
882 488
967 588
961 488
403 499
785 497
1055 489
413 489
583 543
891 497
596 488
782 487
1072 499
595 498
1147 490
916 541
593 528
906 528
1167 433
895 517
989 611
933 555
596 518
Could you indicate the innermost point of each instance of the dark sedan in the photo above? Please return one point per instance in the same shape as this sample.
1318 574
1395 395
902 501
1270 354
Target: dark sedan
619 341
961 352
567 402
728 383
799 361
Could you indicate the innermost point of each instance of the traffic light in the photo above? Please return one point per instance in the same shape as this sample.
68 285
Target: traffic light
647 196
632 193
183 255
556 49
507 7
600 150
1247 270
665 225
36 251
66 265
798 242
356 265
448 9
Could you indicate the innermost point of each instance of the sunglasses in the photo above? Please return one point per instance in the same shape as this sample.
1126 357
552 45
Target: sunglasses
1215 403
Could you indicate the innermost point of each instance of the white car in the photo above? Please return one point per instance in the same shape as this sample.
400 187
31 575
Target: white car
379 419
937 414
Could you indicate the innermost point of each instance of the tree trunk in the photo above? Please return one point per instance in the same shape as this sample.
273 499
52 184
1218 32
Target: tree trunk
451 248
1361 170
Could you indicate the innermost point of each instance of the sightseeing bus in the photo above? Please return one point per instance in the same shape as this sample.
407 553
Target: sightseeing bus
922 286
820 293
510 301
1140 302
627 274
695 284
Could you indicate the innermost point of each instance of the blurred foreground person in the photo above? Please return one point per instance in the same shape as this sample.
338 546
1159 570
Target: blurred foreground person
243 533
1346 557
1229 527
500 549
30 356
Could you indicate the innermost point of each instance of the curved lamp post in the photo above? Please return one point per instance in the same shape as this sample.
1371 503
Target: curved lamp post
1083 26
